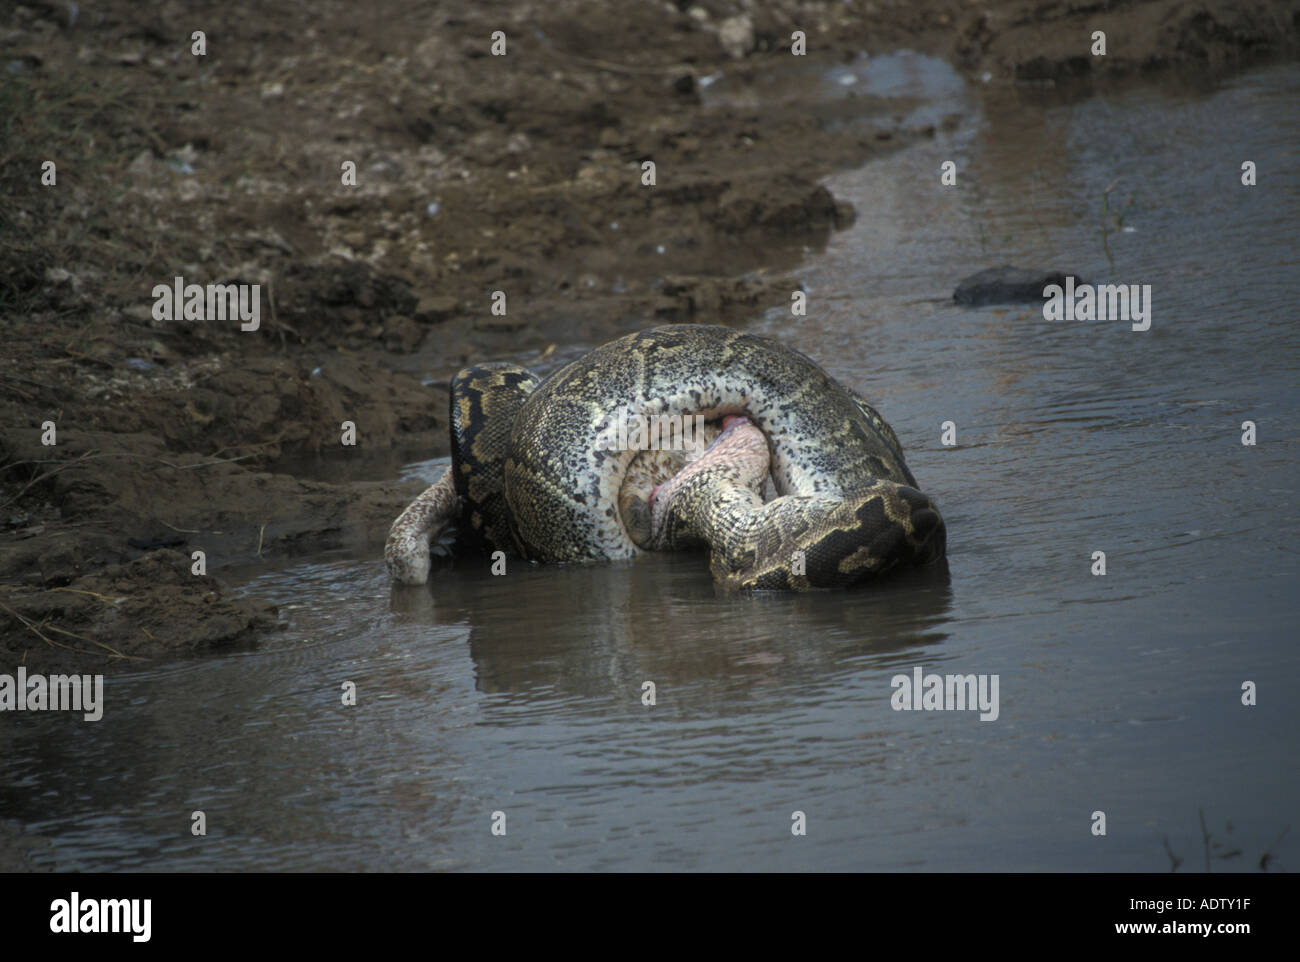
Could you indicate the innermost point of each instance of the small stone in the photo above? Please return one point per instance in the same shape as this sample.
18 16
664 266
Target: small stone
430 310
143 163
139 312
182 160
736 34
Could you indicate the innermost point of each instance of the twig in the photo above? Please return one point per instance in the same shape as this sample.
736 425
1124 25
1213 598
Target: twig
1205 838
1105 214
42 477
92 641
182 530
93 455
1267 857
623 67
205 464
1174 860
31 625
93 594
86 357
259 444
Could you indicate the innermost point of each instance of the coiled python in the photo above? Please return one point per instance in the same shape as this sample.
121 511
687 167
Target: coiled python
549 471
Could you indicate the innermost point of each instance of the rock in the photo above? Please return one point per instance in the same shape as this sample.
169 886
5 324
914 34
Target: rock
431 310
1006 285
143 163
736 34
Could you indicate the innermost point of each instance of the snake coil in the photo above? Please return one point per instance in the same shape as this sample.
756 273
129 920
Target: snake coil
537 470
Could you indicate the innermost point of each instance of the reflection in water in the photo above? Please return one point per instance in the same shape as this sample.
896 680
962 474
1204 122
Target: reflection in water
522 693
598 632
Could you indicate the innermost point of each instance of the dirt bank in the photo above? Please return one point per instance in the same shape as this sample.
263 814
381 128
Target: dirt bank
474 174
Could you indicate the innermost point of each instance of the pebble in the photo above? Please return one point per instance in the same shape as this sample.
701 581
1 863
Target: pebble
736 34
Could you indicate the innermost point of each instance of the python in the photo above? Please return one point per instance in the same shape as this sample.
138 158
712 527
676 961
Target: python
800 467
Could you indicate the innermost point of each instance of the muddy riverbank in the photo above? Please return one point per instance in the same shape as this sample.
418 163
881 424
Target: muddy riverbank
474 174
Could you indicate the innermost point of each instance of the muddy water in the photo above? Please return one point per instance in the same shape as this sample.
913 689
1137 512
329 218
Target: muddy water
1121 694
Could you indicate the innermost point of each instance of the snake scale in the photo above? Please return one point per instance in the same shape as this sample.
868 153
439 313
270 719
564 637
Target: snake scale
540 469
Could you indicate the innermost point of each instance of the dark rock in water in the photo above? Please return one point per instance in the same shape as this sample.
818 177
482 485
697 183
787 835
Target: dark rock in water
1006 285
